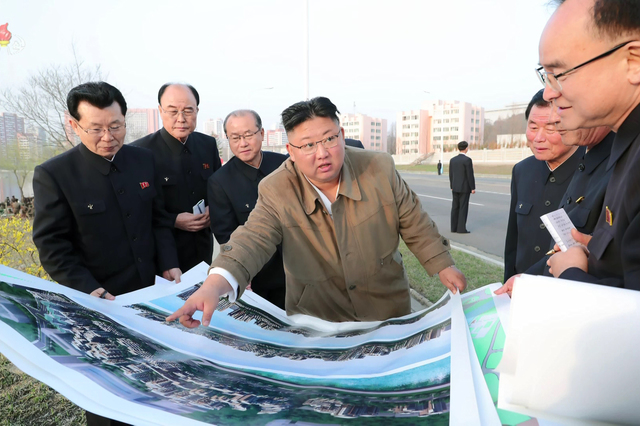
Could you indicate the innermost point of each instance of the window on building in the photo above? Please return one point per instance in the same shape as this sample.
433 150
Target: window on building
455 111
454 137
378 124
446 129
377 137
446 138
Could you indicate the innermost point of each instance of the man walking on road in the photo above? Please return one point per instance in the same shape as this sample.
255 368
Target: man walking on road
462 184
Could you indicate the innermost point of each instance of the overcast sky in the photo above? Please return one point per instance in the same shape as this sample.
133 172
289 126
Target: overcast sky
381 55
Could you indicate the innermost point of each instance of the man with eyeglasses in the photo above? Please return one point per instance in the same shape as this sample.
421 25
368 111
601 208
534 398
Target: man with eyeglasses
98 222
185 160
590 60
233 192
339 214
537 186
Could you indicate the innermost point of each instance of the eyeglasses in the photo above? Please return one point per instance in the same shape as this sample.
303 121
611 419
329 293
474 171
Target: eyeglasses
247 136
312 147
547 78
174 112
114 130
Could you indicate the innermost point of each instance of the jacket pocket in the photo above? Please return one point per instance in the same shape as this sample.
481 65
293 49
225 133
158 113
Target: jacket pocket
523 207
147 193
599 243
579 216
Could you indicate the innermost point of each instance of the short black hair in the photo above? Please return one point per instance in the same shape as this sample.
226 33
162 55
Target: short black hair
463 145
303 111
241 112
98 93
538 101
164 87
614 18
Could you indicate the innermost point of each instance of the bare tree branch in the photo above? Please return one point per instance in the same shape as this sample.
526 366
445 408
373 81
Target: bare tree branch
43 98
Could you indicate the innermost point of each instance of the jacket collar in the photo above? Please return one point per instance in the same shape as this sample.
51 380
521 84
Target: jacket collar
349 186
598 153
627 133
566 170
174 144
103 166
249 171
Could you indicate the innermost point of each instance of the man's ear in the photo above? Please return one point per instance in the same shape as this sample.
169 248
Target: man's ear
291 152
633 63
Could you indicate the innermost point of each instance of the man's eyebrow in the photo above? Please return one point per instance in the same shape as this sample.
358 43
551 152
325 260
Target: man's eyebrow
555 64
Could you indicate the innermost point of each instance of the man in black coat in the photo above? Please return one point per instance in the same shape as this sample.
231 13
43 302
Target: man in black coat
584 197
609 32
463 184
233 192
537 186
98 207
185 160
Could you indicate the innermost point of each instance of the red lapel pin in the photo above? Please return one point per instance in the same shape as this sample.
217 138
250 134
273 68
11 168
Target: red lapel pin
144 185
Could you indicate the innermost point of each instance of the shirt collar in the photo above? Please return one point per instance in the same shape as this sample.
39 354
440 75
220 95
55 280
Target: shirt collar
627 133
174 144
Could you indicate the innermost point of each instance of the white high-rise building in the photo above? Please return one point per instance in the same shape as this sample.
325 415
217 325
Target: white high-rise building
453 122
371 131
214 127
141 122
413 132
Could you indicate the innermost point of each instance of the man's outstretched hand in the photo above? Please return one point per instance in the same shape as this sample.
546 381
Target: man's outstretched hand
453 279
508 286
205 299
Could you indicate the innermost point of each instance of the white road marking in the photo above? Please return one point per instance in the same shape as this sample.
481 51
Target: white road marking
447 199
491 192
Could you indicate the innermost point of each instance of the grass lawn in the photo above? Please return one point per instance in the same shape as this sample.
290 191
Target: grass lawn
484 169
25 401
478 272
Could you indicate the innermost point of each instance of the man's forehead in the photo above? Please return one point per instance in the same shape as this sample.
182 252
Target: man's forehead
543 116
568 31
177 93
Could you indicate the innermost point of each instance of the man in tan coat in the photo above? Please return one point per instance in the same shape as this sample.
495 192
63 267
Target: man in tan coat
339 214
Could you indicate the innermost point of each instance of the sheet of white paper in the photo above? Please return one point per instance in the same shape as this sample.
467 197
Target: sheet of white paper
572 351
199 207
464 404
559 222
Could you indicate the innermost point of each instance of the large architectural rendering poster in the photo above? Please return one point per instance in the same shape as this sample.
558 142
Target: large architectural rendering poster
252 366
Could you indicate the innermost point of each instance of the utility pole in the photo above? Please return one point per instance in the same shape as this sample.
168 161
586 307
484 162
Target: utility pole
306 51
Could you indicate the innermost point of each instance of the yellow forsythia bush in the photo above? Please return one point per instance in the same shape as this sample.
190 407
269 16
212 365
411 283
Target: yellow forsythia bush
16 247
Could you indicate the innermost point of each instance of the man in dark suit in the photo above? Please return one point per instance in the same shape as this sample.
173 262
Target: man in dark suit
584 197
537 186
233 192
606 36
98 207
463 184
185 160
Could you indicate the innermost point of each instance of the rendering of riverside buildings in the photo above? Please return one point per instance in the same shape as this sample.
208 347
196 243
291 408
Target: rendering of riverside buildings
143 370
438 124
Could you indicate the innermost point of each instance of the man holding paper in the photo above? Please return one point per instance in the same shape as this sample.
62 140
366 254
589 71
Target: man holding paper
185 160
537 185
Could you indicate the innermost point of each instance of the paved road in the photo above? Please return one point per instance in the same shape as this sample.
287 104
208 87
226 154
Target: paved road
488 209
